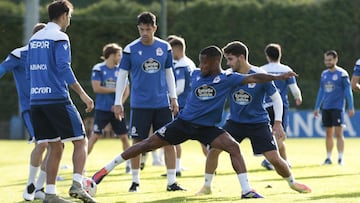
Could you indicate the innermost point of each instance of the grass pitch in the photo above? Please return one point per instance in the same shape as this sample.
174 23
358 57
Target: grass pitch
331 183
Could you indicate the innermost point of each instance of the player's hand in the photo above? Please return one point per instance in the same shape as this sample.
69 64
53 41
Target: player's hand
278 131
298 102
286 75
88 101
351 112
316 113
174 106
119 112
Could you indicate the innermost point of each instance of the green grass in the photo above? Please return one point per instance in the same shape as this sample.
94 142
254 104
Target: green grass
329 183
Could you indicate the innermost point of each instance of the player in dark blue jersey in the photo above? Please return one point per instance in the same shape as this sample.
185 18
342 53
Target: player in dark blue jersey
55 118
355 78
15 63
249 119
273 56
334 89
148 61
103 81
201 113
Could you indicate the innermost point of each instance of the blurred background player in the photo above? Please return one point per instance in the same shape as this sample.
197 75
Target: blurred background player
15 62
103 81
249 119
355 78
149 61
183 67
334 88
50 73
273 56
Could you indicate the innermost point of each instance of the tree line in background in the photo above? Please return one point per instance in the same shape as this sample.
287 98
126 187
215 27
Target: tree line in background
304 28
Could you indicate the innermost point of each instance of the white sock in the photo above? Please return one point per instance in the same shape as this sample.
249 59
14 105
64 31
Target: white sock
128 163
340 155
328 155
135 175
110 166
208 179
40 180
32 174
78 178
244 182
290 180
171 176
50 189
178 165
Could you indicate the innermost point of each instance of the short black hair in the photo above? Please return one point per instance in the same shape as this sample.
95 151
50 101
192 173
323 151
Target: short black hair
273 51
58 8
212 52
236 48
146 18
332 53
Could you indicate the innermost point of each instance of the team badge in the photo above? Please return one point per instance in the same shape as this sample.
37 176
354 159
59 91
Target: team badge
335 77
216 79
251 85
159 52
134 131
162 131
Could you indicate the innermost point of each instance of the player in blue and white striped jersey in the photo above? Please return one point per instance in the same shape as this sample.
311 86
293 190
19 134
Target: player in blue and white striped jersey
334 89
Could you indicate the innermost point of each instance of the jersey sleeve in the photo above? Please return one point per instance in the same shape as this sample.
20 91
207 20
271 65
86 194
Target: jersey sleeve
63 61
270 88
96 75
357 68
180 73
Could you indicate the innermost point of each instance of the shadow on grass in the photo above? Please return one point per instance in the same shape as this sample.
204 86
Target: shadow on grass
196 199
337 195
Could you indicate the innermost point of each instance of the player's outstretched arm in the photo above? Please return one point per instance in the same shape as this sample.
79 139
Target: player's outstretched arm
262 77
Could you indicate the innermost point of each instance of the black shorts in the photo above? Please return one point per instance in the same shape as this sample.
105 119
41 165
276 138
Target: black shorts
259 134
179 131
285 118
102 118
142 119
54 122
332 117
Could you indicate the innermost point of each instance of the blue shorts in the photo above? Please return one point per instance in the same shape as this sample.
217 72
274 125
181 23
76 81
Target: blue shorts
55 122
102 118
142 119
259 134
332 117
27 120
285 117
179 131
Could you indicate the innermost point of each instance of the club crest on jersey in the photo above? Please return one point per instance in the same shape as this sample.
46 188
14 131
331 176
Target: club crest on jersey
242 97
251 85
159 52
329 86
216 79
335 77
205 92
151 66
